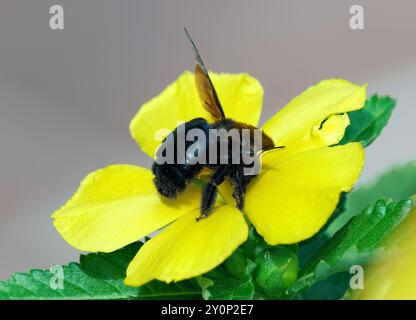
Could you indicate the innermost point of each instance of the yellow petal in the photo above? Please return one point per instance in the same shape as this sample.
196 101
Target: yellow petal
188 248
300 124
116 206
293 197
240 94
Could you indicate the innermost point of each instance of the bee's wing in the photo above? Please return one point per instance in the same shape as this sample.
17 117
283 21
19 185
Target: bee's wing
205 88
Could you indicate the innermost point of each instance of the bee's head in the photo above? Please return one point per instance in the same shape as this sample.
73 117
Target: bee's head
166 188
167 183
267 142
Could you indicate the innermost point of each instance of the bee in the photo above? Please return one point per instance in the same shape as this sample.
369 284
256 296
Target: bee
172 178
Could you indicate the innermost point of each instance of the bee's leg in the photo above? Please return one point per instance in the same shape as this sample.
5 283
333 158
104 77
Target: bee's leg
210 191
239 184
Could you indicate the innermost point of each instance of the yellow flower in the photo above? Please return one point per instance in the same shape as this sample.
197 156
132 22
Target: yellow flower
289 201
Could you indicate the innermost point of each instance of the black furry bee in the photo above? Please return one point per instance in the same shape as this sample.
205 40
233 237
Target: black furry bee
172 178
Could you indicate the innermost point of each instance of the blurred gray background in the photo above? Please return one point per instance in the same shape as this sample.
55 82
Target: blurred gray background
66 96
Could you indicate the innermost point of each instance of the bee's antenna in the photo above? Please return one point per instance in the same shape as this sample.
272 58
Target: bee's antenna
195 50
278 147
272 148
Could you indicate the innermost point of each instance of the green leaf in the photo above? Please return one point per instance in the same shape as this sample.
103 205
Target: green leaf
76 285
226 288
254 271
183 290
98 276
277 269
331 288
109 265
237 264
367 123
254 245
356 243
396 184
232 280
